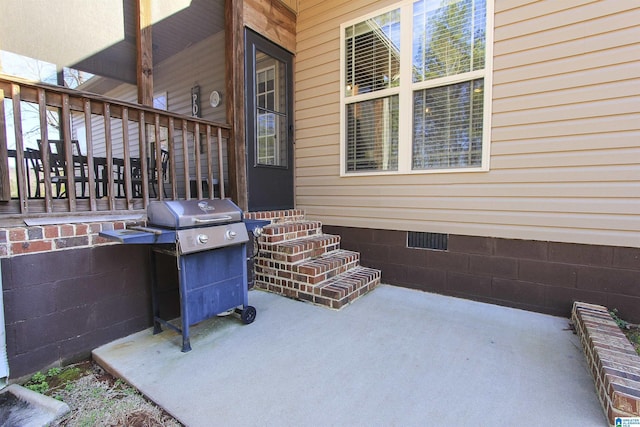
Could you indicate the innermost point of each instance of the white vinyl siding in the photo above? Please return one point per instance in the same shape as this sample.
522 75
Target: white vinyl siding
565 131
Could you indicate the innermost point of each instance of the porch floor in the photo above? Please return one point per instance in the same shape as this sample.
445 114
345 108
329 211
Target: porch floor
396 357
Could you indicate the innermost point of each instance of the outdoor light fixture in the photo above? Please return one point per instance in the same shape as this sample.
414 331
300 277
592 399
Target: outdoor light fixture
214 98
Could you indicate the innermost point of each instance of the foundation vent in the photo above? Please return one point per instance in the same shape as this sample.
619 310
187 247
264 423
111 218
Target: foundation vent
420 240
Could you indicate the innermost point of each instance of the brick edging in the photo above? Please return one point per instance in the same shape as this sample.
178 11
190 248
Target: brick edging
614 364
33 239
287 215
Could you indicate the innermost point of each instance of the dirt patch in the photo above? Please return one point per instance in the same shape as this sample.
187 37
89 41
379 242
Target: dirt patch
96 398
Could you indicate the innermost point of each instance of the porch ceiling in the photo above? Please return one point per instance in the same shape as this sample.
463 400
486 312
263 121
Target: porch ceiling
192 24
100 37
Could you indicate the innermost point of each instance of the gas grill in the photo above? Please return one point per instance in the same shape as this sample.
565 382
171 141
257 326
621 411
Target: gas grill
208 239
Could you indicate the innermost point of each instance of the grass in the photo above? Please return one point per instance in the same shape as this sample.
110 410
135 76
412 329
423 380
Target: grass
98 399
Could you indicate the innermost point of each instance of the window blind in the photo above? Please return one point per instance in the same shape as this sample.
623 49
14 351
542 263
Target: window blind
372 134
373 54
447 126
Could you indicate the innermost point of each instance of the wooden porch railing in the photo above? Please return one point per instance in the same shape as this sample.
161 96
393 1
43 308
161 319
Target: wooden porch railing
107 156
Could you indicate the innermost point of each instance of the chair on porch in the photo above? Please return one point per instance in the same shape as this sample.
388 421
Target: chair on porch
156 178
56 171
57 166
136 175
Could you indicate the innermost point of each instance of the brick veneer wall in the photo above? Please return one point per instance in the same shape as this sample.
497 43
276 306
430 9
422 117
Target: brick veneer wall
66 291
538 276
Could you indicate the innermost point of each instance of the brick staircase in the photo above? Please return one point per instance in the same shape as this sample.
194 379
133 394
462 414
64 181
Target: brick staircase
296 259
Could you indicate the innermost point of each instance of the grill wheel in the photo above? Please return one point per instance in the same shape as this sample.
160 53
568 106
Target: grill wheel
248 315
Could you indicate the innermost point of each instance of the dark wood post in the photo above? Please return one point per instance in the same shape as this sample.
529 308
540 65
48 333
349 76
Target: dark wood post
144 57
235 81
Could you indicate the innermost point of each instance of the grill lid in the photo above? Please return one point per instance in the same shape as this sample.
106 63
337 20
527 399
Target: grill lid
192 213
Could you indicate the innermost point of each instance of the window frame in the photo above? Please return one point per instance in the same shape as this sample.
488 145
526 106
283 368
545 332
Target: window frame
406 89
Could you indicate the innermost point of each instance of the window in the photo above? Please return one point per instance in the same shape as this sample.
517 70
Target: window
160 101
372 72
414 96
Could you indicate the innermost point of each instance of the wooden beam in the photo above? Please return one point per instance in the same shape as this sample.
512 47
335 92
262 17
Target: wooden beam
273 20
144 45
235 80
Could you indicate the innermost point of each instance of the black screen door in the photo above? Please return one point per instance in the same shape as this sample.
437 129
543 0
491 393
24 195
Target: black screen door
269 129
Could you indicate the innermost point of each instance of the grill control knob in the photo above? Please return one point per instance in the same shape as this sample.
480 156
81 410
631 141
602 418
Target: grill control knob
230 235
203 238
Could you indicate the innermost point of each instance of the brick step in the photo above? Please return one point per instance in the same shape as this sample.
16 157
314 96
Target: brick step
314 271
298 250
345 288
286 231
307 272
336 292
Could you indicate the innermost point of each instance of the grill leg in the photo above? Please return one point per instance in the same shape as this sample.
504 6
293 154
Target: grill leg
154 293
186 344
184 306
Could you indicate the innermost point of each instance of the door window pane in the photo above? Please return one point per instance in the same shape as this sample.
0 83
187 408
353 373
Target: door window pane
271 139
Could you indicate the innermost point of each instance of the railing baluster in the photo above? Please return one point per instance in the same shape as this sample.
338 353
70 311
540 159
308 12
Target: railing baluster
5 178
68 152
144 160
91 169
212 188
158 162
20 170
172 158
196 148
185 151
109 151
220 164
44 153
127 160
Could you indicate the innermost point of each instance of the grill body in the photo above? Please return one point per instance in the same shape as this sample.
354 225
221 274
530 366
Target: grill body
208 240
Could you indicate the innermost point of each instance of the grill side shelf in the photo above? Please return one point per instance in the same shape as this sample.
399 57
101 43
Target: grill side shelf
140 237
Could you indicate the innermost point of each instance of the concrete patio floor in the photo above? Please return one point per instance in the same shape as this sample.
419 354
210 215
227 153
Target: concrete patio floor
396 357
